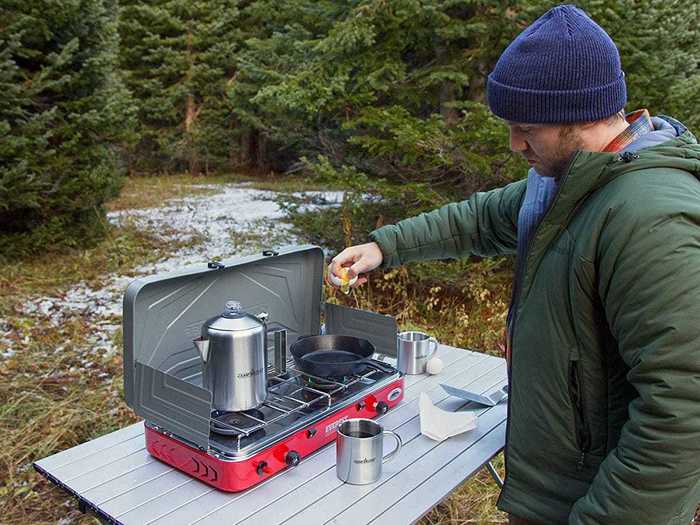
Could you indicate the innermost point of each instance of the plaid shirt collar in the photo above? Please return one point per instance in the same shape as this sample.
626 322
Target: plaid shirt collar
639 123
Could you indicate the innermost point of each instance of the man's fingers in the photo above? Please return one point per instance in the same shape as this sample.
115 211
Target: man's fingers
361 265
360 281
358 260
344 258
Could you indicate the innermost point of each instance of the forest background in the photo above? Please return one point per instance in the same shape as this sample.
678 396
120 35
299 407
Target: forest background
383 99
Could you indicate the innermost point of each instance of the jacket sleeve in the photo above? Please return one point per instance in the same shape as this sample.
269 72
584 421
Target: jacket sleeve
485 224
649 283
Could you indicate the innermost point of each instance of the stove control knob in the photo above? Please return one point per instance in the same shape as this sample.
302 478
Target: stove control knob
311 432
292 459
382 408
261 468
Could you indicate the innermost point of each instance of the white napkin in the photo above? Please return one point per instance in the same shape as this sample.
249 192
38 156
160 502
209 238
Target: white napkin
439 424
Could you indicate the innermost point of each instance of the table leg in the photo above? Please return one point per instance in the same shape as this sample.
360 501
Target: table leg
494 475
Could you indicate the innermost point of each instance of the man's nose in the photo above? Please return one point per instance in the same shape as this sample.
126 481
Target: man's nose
517 143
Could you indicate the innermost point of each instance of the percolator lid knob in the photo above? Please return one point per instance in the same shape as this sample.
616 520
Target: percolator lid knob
232 307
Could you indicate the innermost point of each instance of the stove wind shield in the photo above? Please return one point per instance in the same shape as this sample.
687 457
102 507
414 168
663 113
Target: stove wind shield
163 369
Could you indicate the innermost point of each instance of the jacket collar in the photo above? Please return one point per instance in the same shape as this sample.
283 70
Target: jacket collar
589 171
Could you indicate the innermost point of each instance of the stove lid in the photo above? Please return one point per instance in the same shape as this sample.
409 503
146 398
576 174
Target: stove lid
164 313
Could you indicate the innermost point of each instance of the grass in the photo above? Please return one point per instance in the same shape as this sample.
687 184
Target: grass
57 392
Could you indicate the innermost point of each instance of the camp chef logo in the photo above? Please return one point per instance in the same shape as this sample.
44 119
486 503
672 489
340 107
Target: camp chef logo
364 460
333 426
251 373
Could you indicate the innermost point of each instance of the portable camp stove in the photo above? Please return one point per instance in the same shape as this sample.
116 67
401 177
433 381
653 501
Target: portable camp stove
163 370
300 415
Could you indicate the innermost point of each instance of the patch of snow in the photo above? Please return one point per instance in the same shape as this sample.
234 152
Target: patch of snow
213 220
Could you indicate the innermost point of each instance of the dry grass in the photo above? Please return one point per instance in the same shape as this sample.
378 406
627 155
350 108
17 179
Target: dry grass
146 192
51 401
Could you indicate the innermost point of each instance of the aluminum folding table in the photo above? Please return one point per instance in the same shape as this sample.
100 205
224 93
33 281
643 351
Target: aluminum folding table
114 476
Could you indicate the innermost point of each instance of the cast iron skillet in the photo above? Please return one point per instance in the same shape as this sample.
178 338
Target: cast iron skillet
334 355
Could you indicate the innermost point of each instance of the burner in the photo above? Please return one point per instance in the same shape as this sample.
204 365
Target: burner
221 422
324 384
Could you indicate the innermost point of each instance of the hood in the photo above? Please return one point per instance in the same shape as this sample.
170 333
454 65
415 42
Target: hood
664 130
670 145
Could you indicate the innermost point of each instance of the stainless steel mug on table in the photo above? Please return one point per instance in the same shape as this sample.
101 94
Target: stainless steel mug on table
359 451
414 350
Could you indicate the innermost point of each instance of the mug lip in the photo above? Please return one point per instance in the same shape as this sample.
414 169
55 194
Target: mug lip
411 332
372 421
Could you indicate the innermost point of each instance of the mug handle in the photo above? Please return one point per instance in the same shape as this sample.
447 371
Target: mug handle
435 347
391 455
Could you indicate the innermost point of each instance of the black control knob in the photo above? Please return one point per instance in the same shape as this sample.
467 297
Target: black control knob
311 432
382 408
292 458
261 468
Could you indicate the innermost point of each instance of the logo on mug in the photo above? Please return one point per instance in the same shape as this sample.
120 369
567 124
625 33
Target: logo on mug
364 460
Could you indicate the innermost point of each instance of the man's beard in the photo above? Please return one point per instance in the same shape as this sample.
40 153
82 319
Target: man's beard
557 163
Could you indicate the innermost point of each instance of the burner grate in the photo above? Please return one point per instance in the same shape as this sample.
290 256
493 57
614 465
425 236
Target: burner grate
289 394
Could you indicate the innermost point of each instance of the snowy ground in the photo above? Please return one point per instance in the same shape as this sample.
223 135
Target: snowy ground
212 219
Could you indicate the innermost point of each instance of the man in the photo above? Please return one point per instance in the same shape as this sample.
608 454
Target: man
604 324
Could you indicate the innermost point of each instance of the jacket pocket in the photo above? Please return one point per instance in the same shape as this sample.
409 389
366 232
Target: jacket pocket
581 423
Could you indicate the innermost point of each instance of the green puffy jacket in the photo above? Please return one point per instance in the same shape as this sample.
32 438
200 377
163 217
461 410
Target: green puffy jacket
604 411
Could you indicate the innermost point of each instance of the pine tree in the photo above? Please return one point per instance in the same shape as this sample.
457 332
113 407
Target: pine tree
381 86
178 57
64 115
396 89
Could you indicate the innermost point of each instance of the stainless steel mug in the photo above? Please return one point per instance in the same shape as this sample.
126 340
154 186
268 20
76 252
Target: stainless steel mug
414 350
359 451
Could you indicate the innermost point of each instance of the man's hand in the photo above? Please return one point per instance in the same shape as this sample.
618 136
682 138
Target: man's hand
358 259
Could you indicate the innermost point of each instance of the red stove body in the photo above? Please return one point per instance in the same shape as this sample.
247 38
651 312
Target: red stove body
236 473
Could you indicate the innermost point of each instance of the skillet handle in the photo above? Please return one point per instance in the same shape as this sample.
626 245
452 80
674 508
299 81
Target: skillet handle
382 367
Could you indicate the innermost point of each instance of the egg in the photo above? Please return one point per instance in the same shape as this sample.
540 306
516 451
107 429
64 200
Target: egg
434 366
342 280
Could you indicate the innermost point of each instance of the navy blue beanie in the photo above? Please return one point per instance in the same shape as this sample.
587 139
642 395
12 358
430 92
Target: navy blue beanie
563 68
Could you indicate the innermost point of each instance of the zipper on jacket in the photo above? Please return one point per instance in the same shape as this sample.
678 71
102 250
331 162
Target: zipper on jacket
515 303
583 432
